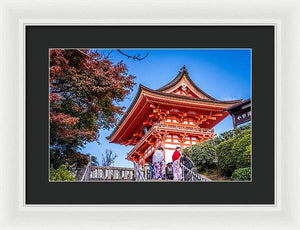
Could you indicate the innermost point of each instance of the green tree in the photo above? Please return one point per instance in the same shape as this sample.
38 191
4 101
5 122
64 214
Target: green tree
94 161
241 174
235 152
225 160
230 134
71 159
232 151
61 174
240 150
202 154
247 155
227 135
217 140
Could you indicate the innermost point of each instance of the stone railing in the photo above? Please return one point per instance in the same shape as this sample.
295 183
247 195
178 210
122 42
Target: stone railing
138 174
191 174
102 173
111 173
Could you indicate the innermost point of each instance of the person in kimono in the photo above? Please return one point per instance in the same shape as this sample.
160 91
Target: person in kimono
158 161
177 171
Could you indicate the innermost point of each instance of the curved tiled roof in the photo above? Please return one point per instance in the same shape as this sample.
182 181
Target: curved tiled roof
158 92
248 101
183 71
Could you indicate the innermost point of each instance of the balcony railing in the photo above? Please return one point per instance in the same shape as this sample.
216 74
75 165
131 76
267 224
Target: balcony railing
185 128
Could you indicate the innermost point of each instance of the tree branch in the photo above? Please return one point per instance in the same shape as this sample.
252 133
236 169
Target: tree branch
134 57
83 52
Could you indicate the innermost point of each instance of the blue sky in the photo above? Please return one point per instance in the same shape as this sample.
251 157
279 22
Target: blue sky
225 74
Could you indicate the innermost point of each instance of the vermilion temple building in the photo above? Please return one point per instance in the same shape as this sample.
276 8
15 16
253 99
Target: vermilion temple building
177 114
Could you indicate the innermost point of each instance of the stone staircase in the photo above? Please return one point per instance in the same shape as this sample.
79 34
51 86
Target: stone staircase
103 173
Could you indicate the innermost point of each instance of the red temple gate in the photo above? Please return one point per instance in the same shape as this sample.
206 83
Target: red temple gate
177 114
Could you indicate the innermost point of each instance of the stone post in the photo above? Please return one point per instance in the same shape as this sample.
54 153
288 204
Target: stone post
98 173
120 174
109 174
114 174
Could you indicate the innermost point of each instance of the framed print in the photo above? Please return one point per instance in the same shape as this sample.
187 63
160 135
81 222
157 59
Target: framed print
173 146
123 123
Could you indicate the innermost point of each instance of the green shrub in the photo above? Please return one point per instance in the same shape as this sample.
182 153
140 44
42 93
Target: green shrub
243 133
240 151
225 160
241 174
61 174
235 153
231 152
202 154
248 154
231 134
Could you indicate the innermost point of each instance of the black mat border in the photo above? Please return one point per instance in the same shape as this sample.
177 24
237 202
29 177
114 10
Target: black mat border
40 38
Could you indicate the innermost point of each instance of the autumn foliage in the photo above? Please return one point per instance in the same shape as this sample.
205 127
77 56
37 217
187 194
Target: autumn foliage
84 91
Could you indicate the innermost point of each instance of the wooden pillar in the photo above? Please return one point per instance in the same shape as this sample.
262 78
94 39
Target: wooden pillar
234 124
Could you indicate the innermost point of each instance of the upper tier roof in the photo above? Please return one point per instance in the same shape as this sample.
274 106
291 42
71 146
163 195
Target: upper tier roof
183 77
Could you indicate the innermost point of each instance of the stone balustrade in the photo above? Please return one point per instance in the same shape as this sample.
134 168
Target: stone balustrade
115 173
111 173
99 173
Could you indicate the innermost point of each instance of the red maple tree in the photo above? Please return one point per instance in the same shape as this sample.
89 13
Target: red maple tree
84 90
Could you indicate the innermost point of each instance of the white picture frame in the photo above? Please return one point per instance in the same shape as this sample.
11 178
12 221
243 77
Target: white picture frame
15 14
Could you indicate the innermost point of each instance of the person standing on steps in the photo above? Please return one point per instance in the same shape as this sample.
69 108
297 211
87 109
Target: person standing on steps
151 171
188 166
158 162
177 171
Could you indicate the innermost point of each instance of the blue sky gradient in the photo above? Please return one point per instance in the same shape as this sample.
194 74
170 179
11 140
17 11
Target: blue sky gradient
225 74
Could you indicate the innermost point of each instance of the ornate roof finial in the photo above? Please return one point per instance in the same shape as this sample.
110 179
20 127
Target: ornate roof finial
183 68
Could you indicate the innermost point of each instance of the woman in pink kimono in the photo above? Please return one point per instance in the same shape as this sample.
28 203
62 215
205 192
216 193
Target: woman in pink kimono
158 162
177 171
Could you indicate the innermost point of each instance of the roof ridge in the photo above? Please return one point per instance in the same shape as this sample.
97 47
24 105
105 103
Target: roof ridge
186 97
181 72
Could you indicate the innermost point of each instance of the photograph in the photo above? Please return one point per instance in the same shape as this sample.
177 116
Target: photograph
150 115
122 114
